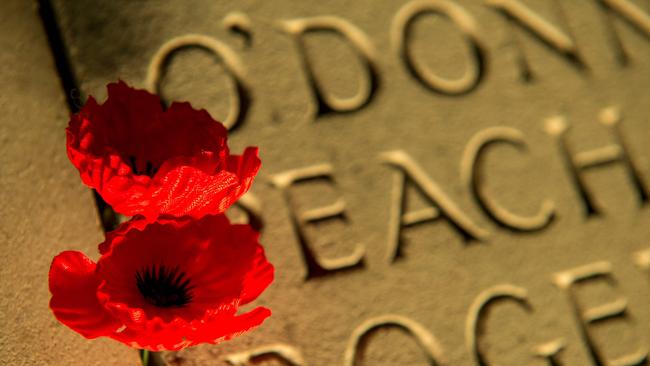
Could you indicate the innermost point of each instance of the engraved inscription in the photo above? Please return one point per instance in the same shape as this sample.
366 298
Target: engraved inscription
473 177
408 172
240 24
556 39
288 355
250 211
400 36
615 153
241 98
476 324
477 315
642 259
428 343
316 267
365 50
550 352
586 317
631 14
421 109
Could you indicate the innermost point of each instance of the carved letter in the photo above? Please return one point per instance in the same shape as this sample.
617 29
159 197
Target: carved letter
288 354
241 99
561 42
251 208
633 15
425 340
586 317
479 307
550 351
642 260
316 267
444 207
615 153
240 24
327 103
400 36
472 175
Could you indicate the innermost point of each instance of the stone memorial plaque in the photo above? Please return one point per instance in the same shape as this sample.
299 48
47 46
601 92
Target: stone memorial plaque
446 182
44 208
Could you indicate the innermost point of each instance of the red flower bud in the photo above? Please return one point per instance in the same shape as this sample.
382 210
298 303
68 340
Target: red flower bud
146 161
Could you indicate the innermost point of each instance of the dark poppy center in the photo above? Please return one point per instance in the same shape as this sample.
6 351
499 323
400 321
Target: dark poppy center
164 287
142 169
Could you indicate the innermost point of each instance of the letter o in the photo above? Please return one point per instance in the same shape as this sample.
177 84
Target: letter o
401 28
233 65
424 338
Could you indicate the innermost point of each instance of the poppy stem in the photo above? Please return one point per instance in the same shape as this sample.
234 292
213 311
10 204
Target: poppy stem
145 357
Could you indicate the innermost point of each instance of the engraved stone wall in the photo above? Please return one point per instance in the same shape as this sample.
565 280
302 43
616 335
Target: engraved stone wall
45 209
446 182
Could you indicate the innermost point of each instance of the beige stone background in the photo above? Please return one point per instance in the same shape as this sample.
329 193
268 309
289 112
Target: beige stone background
46 209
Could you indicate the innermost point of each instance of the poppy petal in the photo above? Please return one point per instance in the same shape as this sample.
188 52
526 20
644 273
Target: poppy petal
164 285
136 223
73 284
188 191
258 278
221 329
245 167
146 161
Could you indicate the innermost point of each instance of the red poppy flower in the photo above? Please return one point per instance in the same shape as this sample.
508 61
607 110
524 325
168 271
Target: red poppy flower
165 285
149 161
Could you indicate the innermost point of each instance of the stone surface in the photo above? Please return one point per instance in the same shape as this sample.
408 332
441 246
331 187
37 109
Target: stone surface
441 279
45 207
